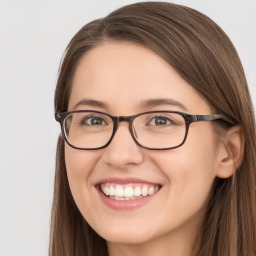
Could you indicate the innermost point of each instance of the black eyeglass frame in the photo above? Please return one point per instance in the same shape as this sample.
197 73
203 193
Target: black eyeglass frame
189 119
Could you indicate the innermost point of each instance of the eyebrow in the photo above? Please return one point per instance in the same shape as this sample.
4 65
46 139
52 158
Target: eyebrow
90 102
160 102
145 104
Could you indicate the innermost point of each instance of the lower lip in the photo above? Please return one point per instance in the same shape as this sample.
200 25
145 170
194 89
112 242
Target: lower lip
125 204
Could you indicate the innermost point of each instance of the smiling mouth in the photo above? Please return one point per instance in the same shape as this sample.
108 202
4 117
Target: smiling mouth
130 191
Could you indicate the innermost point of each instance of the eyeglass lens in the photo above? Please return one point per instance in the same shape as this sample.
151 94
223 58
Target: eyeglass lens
152 130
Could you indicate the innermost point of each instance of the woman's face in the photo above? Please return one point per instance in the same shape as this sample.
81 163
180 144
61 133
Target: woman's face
119 78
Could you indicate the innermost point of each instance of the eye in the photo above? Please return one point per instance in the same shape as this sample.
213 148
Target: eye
160 121
93 121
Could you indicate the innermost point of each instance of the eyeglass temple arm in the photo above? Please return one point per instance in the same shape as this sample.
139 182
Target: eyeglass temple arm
57 116
198 118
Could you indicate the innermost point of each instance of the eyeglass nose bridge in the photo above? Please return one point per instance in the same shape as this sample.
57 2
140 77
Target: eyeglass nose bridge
128 119
124 119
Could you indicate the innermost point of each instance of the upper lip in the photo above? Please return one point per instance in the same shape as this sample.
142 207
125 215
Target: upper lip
117 180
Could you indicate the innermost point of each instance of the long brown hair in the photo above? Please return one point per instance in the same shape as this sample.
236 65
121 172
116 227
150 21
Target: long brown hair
204 56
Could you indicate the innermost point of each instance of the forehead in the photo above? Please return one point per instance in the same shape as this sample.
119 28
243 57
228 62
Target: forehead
123 75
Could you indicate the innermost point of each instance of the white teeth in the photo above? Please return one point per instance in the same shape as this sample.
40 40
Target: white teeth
137 191
119 192
118 198
151 191
103 189
128 192
111 191
144 191
107 191
125 192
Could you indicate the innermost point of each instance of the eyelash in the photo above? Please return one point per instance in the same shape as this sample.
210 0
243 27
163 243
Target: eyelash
84 120
162 117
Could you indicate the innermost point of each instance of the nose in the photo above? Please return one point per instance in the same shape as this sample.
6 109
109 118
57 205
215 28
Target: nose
123 150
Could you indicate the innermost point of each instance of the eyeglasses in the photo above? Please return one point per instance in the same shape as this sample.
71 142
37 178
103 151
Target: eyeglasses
155 130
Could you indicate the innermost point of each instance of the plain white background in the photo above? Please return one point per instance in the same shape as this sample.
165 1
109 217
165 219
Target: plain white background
33 36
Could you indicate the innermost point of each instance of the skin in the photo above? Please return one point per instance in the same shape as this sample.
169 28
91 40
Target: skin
122 76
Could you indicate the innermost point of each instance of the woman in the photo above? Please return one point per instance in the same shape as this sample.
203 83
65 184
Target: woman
157 153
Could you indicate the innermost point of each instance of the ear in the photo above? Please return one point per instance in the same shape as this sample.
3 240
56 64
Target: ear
231 152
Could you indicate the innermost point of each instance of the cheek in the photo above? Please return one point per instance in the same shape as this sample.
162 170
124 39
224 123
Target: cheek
79 166
78 163
190 169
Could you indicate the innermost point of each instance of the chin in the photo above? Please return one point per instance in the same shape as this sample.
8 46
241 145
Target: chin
138 240
121 236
